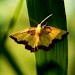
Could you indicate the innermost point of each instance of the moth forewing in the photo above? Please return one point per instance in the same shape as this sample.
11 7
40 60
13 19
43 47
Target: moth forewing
19 36
61 34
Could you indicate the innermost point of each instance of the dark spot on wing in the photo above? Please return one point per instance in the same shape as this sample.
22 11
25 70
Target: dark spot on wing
46 29
32 30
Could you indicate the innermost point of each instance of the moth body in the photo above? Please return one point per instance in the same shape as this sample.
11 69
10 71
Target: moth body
38 28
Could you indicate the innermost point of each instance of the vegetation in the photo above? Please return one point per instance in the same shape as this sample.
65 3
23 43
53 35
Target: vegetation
54 61
15 59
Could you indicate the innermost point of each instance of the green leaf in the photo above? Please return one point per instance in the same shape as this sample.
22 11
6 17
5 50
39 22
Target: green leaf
54 61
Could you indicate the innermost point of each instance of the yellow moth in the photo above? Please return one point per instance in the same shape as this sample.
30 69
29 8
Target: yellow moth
40 37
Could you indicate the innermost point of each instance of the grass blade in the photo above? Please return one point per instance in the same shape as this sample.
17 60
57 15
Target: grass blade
57 57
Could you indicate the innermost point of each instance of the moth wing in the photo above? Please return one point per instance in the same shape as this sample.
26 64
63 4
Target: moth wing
23 36
34 42
49 34
57 33
45 38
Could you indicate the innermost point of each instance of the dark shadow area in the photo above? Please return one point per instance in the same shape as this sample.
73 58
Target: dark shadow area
50 68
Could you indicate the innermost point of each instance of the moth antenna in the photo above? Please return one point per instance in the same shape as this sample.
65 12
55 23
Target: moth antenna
46 23
46 18
33 20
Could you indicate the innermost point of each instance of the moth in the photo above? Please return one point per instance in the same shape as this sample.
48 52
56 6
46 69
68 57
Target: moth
40 37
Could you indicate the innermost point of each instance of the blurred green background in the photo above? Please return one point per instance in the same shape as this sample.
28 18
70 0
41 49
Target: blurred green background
70 13
24 59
